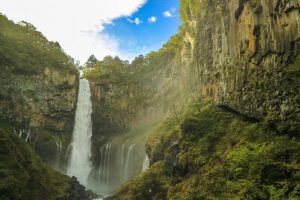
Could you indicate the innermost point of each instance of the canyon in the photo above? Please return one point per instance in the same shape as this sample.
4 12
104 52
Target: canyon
214 114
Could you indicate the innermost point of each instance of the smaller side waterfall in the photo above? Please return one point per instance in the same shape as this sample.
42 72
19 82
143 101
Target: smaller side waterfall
146 163
126 170
119 161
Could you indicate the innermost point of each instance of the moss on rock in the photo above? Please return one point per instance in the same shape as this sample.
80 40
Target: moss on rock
23 176
224 156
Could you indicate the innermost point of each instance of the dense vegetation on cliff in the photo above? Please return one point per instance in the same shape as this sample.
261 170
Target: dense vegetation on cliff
25 50
39 84
23 176
214 153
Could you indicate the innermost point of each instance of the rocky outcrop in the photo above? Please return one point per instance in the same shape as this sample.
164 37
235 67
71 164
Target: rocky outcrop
242 51
117 148
107 118
44 104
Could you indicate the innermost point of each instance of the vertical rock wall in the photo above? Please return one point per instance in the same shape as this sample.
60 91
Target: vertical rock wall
245 52
42 105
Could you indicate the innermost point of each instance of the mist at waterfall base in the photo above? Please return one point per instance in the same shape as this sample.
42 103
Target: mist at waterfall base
119 160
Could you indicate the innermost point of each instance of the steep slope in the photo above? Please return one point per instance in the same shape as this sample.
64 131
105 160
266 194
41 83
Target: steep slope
38 93
215 154
24 176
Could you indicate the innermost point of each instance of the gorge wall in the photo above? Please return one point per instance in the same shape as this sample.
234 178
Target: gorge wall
42 105
242 51
38 91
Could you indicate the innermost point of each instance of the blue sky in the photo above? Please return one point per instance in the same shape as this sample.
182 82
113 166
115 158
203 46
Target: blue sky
99 27
147 29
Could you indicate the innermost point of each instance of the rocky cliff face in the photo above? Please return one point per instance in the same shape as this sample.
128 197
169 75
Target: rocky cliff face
42 104
242 51
38 90
107 118
117 142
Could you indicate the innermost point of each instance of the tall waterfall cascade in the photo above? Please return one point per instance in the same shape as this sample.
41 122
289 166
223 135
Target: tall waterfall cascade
80 164
118 162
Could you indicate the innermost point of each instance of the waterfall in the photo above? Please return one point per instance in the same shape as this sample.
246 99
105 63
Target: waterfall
80 165
119 161
58 145
146 163
126 171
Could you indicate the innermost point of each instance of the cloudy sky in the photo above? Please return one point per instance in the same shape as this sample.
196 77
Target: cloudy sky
100 27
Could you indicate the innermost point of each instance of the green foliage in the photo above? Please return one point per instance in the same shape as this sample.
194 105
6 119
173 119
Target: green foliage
221 156
292 71
153 184
91 62
277 194
25 50
294 67
189 9
95 69
23 175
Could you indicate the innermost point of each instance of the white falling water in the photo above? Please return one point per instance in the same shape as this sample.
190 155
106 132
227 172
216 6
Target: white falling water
146 163
118 160
118 163
126 171
80 165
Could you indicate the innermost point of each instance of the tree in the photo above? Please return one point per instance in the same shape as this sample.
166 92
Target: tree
91 62
27 25
138 61
55 45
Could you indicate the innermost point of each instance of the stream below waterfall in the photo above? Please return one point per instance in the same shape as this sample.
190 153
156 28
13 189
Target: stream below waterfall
119 160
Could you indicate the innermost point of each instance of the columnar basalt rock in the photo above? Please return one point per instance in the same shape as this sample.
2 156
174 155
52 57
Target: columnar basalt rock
242 51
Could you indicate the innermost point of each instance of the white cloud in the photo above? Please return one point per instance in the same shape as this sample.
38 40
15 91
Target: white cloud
152 19
76 24
136 21
169 13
